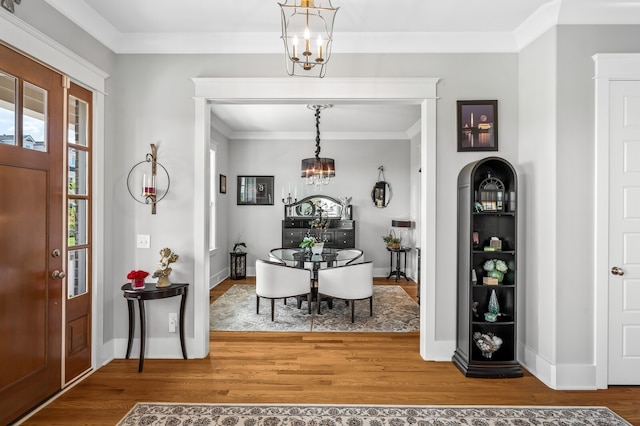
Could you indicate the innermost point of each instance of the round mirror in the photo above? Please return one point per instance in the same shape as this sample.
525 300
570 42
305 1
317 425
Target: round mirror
381 194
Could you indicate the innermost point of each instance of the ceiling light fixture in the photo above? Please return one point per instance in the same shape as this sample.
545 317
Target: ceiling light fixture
318 171
309 20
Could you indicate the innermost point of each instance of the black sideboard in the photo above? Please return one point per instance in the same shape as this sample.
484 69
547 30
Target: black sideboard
340 233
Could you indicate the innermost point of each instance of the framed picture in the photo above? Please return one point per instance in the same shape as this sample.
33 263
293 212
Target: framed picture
477 125
255 190
223 184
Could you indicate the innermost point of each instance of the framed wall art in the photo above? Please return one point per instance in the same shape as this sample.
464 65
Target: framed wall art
255 190
477 125
223 184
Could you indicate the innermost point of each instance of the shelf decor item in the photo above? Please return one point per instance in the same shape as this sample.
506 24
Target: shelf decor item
486 341
167 257
137 278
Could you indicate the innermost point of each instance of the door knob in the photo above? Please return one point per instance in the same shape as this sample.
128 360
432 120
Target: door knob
58 274
616 270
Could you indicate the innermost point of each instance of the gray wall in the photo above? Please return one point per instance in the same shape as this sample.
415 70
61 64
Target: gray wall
545 98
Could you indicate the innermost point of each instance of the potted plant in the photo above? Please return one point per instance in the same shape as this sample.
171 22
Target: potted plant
237 247
393 242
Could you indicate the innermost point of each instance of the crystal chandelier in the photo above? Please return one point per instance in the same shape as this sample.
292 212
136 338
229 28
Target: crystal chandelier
318 171
311 20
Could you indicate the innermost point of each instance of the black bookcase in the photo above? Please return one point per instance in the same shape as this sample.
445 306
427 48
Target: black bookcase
487 238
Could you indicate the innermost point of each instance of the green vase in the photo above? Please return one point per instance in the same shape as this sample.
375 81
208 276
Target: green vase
494 306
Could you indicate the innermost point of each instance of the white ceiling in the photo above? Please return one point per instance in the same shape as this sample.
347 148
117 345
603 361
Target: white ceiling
362 26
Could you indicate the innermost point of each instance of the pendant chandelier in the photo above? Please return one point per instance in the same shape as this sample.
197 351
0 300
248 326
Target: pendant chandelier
318 171
310 23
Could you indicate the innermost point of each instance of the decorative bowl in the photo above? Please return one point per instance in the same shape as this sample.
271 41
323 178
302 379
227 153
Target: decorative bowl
488 343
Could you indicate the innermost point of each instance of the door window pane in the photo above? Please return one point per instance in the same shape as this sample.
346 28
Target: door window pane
77 132
34 117
77 162
77 221
77 273
7 109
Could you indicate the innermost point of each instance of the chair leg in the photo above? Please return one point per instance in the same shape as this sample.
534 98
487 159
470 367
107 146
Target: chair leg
318 301
353 310
273 304
371 306
309 302
257 305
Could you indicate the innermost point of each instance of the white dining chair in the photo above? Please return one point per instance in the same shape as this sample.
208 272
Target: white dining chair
348 256
350 282
284 255
278 281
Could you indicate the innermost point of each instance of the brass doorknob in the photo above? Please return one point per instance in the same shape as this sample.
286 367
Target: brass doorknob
58 274
616 270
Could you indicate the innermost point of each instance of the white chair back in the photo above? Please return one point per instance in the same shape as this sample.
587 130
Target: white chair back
283 255
348 256
275 280
350 282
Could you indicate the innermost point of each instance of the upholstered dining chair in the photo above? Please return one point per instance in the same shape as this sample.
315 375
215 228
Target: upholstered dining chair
278 281
348 256
283 255
350 282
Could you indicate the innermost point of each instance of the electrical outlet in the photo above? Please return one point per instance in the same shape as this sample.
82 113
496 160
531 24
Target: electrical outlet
144 241
173 322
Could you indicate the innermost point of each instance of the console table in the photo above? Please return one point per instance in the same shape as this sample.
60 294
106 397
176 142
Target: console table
151 292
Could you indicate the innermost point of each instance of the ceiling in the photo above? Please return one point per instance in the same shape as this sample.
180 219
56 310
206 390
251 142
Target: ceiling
362 26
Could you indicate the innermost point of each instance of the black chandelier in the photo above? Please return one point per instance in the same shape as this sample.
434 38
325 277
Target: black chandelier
318 171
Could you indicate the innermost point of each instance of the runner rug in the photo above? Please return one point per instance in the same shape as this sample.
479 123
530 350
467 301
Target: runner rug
393 311
365 415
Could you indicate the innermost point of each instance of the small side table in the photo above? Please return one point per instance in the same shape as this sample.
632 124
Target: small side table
398 272
238 265
151 292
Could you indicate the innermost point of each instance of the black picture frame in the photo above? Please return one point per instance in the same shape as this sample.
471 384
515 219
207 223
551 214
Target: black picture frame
223 184
255 191
477 125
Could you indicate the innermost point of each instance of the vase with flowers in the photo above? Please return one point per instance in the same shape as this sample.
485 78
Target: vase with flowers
137 278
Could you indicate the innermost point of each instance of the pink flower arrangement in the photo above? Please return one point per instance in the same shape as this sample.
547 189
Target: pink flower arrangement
137 275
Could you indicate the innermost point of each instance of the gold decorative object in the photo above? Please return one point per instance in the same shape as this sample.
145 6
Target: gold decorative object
167 257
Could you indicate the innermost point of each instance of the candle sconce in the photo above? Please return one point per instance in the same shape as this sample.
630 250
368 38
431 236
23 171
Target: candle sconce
145 174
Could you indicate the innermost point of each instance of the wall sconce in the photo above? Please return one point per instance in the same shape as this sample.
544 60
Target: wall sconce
144 176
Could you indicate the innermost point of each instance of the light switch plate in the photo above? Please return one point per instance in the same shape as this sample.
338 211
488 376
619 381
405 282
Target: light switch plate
144 241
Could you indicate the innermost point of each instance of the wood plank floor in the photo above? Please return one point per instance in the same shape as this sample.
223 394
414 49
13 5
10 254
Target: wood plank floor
308 368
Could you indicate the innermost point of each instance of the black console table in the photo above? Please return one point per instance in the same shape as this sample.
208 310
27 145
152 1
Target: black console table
151 292
398 271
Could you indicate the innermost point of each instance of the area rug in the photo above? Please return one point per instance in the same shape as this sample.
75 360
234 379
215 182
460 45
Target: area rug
393 311
365 415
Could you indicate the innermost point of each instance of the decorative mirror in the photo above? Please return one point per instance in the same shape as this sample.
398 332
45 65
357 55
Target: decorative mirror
381 192
310 207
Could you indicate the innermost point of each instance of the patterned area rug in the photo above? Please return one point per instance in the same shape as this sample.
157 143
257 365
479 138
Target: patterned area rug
393 311
365 415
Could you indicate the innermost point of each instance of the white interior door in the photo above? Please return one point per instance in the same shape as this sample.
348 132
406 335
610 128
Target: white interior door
624 236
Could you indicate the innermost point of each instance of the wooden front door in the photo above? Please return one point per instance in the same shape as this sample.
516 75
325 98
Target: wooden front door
31 233
624 237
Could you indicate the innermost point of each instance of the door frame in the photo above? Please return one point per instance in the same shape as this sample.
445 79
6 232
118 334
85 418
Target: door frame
608 68
415 91
30 41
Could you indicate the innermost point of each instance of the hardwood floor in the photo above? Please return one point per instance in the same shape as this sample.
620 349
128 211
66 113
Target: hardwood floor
308 368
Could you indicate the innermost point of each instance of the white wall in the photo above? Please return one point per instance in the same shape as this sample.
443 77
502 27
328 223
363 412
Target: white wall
357 163
150 101
537 207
